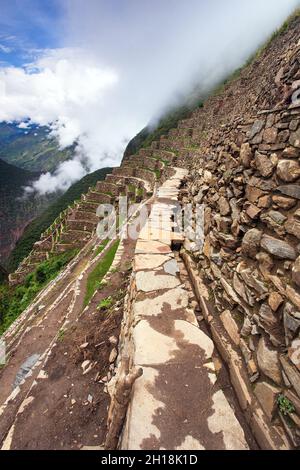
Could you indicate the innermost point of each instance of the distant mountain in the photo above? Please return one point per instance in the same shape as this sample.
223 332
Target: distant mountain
45 219
15 210
31 148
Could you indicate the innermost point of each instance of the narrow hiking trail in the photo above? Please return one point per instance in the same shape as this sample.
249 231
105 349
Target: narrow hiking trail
184 399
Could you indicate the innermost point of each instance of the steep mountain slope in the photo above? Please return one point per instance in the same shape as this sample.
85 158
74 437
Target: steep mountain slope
33 232
31 148
15 210
162 340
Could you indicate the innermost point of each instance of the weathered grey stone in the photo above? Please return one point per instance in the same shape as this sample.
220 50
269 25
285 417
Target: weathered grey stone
266 263
224 206
230 326
292 226
267 316
253 211
246 155
294 353
263 185
252 279
278 248
268 361
275 301
293 295
267 396
275 220
247 328
256 128
291 152
288 170
296 272
292 374
284 202
251 243
270 135
264 164
292 190
295 139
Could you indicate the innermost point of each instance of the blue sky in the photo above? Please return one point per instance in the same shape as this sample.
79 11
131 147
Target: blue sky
27 26
101 70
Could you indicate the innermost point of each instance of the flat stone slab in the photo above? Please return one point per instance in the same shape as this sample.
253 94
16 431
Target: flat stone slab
149 233
155 247
172 411
149 261
173 299
171 267
166 341
150 281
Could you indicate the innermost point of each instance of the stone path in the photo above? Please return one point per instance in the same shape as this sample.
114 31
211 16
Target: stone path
178 402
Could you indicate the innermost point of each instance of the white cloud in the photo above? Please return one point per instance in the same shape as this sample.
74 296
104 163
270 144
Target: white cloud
118 71
24 125
5 49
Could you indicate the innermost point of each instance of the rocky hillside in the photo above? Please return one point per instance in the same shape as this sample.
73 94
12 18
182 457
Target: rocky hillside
31 148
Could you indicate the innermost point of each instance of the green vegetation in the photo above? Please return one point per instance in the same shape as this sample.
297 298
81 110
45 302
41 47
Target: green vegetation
101 247
41 223
61 334
105 303
14 300
31 149
16 211
99 272
285 406
166 123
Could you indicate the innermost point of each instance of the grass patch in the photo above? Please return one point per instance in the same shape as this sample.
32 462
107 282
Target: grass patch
99 272
61 334
101 247
14 300
105 303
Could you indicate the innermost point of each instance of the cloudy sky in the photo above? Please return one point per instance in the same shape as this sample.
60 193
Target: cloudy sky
97 71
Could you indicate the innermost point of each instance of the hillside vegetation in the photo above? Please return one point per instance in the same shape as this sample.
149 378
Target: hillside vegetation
31 148
15 210
41 223
14 300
